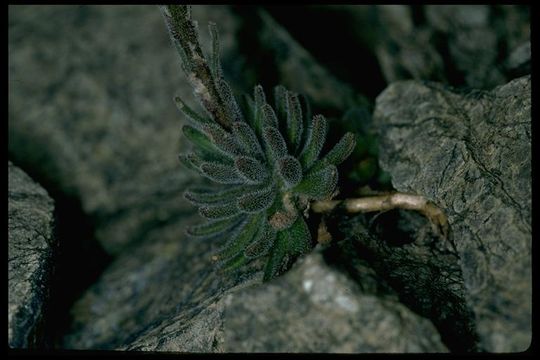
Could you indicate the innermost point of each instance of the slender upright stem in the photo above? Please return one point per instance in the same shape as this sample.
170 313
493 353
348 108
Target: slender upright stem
184 34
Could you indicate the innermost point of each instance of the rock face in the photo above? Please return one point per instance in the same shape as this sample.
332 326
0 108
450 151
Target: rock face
31 247
111 135
182 306
470 153
91 114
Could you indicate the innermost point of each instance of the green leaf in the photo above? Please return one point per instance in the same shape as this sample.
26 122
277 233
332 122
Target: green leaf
294 122
290 170
257 201
318 185
298 237
269 116
229 100
232 263
280 100
214 227
223 140
219 211
241 239
339 152
247 139
215 65
258 95
315 141
199 139
262 243
222 174
189 113
275 143
191 161
250 169
277 258
293 242
209 197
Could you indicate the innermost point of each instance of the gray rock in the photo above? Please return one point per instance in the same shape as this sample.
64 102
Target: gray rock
181 305
31 245
470 153
405 51
519 60
91 110
314 308
299 71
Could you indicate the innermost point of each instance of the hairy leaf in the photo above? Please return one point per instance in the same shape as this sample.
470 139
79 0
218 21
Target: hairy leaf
318 185
246 233
275 143
277 259
315 141
222 174
247 139
290 170
280 99
214 227
193 116
210 197
258 95
191 161
338 154
229 100
215 65
219 211
294 122
269 116
251 169
198 139
262 243
223 140
257 201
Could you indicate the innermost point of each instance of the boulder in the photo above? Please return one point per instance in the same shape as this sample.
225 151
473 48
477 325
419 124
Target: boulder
31 250
470 153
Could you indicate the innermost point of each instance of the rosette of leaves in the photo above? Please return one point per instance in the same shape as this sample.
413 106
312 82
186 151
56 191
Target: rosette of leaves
262 155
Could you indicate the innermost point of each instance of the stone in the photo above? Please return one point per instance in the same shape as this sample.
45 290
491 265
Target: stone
314 308
92 112
470 153
298 70
183 306
31 249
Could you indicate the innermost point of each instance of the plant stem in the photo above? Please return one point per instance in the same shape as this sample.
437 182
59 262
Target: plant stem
183 32
388 202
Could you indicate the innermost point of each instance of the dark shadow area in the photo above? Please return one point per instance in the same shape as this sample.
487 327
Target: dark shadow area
329 36
400 250
78 259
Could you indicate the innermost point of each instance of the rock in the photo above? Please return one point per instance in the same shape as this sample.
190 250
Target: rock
405 51
470 153
519 61
402 250
465 46
31 246
315 308
93 113
181 305
292 66
475 36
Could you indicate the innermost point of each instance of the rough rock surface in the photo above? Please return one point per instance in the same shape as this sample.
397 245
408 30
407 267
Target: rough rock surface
93 113
31 245
460 45
299 71
183 306
315 308
470 153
